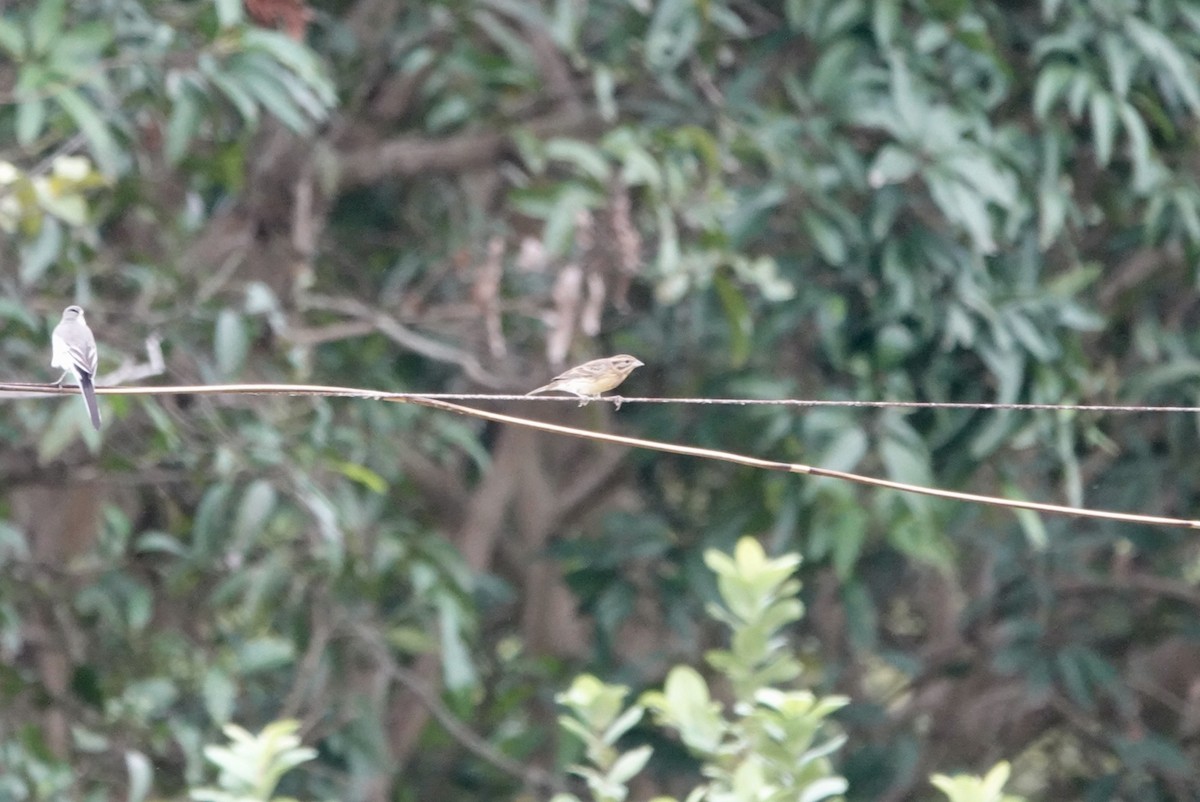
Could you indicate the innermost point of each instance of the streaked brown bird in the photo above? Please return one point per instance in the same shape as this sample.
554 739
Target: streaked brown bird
591 379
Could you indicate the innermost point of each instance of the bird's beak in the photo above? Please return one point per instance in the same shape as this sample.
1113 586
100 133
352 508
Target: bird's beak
637 363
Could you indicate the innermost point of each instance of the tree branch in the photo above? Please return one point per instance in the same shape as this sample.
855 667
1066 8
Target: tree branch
411 155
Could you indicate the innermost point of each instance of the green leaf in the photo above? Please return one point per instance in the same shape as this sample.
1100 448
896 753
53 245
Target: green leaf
604 88
963 206
75 52
71 208
911 109
256 507
673 34
1074 677
231 89
892 165
797 13
1082 85
264 653
298 58
31 118
39 254
839 63
965 788
840 18
1052 205
230 342
690 708
186 114
466 437
1031 522
826 236
737 315
91 122
229 12
1104 126
566 24
904 455
587 158
141 776
363 476
258 75
750 215
1140 152
629 764
885 21
840 530
258 78
975 170
65 426
12 39
823 788
1157 47
45 24
559 232
1121 63
638 168
1051 83
151 542
623 723
596 703
220 695
457 670
208 526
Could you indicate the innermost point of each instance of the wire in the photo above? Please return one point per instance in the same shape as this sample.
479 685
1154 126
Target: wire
438 401
12 389
798 402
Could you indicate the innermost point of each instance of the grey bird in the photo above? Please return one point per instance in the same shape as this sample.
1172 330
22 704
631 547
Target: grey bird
74 350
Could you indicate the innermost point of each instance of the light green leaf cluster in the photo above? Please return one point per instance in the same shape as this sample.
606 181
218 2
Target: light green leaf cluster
966 788
252 764
770 745
599 719
41 208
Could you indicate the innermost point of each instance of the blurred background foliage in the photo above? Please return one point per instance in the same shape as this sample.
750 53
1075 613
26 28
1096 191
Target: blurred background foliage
841 199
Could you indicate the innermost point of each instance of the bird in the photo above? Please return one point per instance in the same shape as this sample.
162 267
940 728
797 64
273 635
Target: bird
591 379
74 350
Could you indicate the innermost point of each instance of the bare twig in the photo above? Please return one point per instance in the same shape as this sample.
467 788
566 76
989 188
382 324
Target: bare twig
403 336
138 371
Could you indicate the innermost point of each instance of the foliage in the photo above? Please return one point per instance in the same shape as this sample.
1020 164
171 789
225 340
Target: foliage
899 199
65 79
40 207
764 747
990 788
252 765
599 719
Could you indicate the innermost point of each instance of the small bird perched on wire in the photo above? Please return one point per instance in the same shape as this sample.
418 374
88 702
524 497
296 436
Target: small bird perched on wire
74 350
591 379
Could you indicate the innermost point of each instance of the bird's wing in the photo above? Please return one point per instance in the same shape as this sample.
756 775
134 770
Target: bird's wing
74 347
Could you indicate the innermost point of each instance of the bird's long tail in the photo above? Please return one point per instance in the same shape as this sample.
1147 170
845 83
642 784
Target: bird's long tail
88 391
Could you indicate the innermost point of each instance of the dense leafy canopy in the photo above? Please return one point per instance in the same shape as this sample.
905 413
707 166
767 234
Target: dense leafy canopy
898 199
